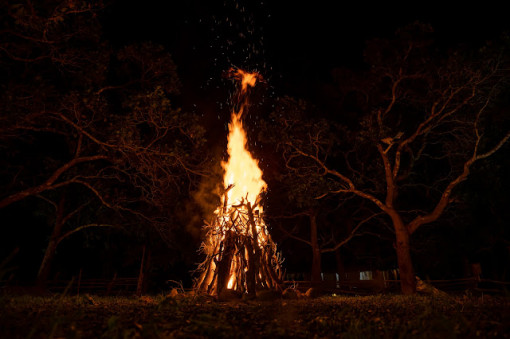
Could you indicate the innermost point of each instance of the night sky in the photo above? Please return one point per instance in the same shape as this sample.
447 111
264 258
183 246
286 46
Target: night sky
294 45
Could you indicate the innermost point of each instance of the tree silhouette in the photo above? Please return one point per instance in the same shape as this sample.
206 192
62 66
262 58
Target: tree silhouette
82 117
301 186
424 119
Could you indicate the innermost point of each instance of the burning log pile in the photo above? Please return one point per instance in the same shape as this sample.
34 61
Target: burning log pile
240 254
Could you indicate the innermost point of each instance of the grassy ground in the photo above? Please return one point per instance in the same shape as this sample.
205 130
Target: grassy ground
382 316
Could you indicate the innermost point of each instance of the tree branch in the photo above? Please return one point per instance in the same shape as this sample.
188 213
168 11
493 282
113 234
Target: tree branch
445 197
81 228
293 236
352 234
49 183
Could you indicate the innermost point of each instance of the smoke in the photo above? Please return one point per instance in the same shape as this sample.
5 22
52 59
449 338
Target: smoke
206 199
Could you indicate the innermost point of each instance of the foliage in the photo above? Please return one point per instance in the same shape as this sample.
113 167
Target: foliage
301 186
423 120
98 123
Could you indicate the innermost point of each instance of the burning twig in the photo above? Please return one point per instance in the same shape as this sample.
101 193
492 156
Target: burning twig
240 254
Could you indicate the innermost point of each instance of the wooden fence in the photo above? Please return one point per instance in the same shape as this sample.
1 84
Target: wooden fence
118 286
105 287
367 287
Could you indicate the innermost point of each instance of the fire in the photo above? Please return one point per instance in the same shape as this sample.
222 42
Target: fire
240 252
247 79
242 170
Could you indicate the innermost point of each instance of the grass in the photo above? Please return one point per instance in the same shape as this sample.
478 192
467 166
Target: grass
381 316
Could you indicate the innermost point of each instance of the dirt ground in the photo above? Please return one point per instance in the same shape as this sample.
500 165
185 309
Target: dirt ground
180 316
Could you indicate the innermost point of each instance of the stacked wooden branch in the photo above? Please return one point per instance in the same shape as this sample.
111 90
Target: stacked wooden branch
240 254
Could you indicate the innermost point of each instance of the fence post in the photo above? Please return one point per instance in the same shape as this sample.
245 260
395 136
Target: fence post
110 285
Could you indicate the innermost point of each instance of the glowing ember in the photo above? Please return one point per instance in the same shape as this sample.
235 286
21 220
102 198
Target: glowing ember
240 253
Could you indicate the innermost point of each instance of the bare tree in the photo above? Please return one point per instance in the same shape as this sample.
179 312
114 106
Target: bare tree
101 120
424 119
300 184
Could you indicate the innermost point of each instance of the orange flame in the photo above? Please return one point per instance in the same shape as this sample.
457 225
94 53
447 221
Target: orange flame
241 169
238 234
247 79
242 172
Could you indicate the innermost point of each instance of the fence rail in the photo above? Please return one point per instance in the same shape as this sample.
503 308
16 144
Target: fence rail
128 286
115 286
381 286
105 287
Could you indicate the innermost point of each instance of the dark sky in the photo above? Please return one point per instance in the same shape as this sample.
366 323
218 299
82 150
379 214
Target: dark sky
293 44
286 38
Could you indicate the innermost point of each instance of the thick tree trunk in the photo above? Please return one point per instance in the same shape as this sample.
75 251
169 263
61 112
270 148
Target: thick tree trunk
49 254
405 263
316 251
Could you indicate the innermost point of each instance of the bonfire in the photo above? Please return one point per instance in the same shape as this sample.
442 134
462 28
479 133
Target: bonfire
239 252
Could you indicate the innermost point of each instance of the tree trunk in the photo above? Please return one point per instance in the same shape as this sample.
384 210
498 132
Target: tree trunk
49 254
45 267
316 251
405 263
340 269
141 274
